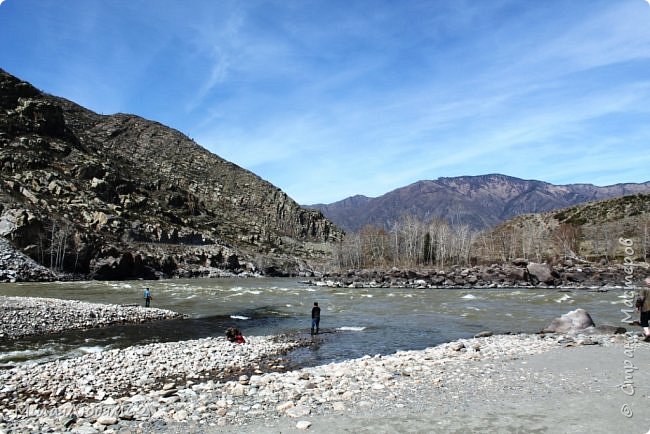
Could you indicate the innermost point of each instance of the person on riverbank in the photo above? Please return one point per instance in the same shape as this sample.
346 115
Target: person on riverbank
315 318
147 297
644 309
234 335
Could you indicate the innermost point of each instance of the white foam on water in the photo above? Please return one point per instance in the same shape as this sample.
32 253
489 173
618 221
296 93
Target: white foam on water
239 317
366 295
254 292
190 296
473 308
288 305
469 297
617 302
351 329
564 298
24 354
91 350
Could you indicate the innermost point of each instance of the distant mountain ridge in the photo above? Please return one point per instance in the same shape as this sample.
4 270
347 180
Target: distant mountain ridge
119 196
481 201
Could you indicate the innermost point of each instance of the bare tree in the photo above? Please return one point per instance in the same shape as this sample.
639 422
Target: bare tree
566 238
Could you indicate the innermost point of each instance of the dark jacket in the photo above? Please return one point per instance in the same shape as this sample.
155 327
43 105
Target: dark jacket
315 312
645 292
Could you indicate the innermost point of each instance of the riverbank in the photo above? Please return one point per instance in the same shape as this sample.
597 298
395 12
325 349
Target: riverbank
519 273
28 316
15 266
469 384
561 390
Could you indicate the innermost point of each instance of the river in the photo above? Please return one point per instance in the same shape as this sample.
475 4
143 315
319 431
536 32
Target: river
355 322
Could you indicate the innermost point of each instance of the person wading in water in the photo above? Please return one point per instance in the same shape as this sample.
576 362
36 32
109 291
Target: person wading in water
315 318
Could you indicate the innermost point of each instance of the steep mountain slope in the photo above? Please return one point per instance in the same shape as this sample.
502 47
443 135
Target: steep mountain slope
479 201
121 196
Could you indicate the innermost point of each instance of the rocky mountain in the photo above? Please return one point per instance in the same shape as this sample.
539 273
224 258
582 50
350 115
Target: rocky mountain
120 196
479 201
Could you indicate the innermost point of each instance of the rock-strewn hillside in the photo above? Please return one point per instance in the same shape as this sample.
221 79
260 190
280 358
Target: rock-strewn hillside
120 196
479 201
591 230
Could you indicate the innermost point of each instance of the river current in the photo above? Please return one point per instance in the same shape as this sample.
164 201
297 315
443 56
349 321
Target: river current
354 322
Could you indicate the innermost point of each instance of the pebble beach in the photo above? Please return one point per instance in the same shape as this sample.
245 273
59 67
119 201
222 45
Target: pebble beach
502 383
28 316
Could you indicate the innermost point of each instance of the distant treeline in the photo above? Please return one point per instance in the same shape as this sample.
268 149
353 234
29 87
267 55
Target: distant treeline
411 242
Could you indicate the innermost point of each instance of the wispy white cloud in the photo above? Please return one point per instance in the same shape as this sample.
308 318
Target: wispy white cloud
327 99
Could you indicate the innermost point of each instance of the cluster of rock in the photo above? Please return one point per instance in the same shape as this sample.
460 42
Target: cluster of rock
15 266
118 197
518 273
152 386
26 316
137 383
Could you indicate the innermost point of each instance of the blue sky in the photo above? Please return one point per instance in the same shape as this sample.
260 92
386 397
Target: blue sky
327 99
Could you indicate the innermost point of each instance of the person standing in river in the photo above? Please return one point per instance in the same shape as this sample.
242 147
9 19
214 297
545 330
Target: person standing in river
644 309
147 297
315 318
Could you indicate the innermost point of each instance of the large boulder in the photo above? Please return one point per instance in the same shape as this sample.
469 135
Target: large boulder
516 273
571 322
541 273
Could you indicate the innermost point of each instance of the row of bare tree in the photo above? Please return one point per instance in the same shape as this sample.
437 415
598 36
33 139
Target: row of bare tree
411 242
57 244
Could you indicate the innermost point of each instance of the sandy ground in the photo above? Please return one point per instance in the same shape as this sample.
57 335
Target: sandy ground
565 390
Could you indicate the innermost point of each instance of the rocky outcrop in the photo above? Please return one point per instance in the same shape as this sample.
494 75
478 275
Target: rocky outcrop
118 196
565 275
15 266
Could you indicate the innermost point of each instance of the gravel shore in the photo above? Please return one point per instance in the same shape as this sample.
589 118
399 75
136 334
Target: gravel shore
507 383
26 316
561 390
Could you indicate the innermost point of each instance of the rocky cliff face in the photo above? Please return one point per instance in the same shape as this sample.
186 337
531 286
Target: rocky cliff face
479 201
120 196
